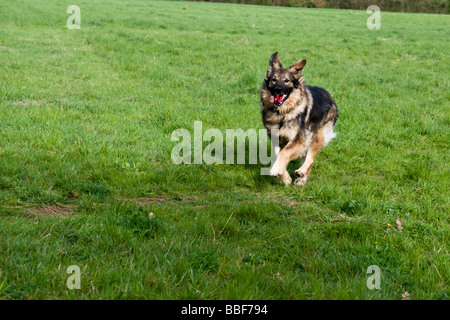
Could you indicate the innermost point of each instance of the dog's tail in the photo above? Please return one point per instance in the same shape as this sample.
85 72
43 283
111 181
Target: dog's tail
328 133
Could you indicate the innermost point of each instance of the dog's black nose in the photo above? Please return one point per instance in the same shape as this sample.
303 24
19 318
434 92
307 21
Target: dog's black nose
278 89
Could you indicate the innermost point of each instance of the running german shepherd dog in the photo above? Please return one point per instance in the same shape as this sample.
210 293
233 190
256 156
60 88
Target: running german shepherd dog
304 116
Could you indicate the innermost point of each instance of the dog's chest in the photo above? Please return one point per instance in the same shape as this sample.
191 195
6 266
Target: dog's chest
289 129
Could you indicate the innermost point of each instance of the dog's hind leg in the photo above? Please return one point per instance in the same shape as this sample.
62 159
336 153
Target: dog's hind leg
303 172
319 140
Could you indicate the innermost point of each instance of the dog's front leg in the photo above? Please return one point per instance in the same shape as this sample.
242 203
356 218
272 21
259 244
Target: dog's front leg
276 148
276 171
294 149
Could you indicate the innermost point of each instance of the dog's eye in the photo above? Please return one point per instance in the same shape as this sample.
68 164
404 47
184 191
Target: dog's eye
274 80
286 80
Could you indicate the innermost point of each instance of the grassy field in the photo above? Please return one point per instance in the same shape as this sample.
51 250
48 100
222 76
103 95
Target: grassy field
86 176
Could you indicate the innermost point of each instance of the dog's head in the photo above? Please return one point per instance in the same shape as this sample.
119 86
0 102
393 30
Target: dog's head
280 82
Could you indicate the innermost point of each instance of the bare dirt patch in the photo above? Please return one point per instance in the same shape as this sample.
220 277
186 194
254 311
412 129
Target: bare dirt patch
157 200
144 201
58 210
28 103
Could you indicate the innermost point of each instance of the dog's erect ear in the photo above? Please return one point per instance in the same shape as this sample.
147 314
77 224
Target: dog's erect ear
297 68
274 63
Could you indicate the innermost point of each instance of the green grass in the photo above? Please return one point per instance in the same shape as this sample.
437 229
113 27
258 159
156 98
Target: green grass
86 119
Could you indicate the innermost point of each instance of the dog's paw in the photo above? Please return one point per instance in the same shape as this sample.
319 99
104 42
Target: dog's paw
275 170
300 181
286 179
300 173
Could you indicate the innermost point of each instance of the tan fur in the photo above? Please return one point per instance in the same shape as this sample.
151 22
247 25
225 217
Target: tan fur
295 141
317 143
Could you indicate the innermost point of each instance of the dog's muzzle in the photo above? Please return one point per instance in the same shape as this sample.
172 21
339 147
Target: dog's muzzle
278 99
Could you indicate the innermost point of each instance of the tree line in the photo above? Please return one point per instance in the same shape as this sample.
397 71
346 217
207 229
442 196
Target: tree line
427 6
